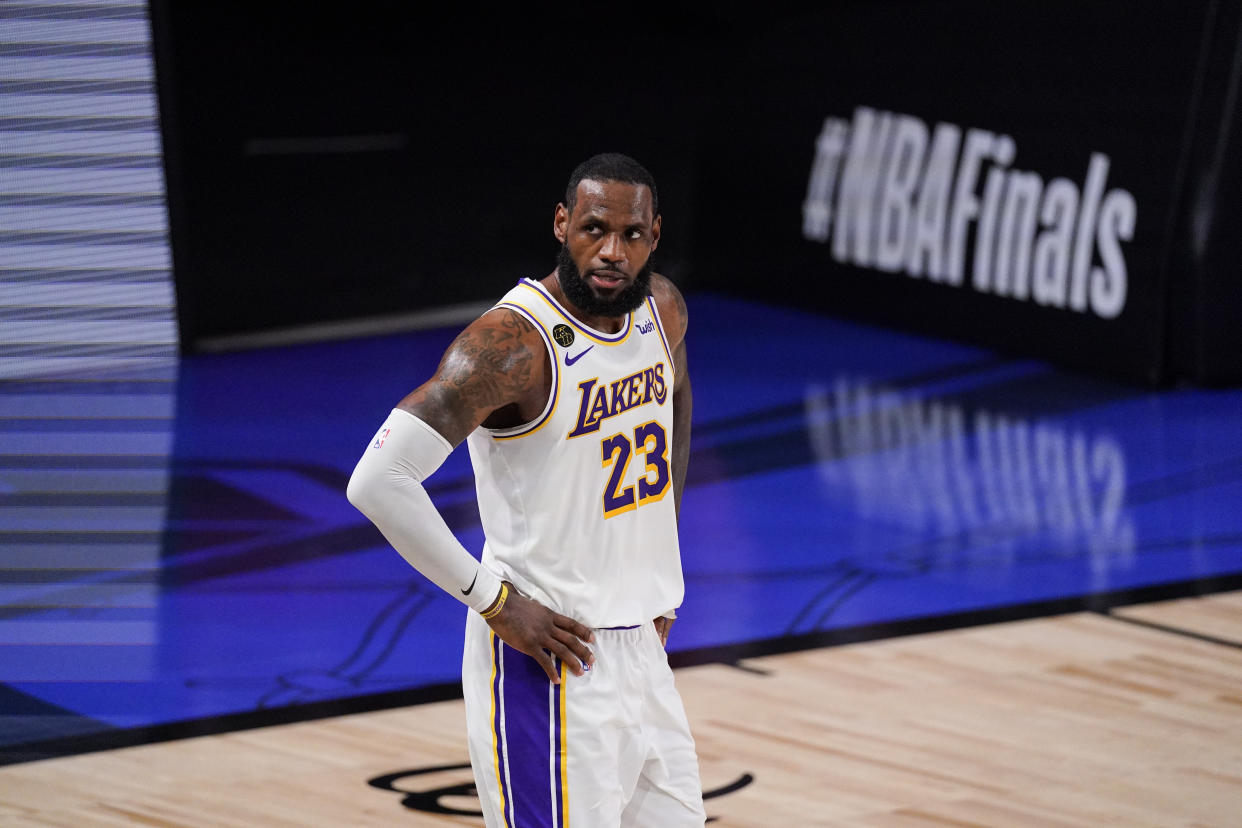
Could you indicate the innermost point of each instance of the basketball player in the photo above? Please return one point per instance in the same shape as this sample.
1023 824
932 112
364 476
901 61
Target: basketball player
573 397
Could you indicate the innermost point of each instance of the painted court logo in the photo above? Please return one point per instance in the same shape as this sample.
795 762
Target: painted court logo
456 784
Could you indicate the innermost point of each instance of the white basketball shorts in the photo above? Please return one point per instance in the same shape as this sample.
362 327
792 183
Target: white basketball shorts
609 748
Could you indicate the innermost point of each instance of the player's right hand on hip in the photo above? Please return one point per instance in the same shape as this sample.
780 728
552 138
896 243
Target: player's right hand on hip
543 635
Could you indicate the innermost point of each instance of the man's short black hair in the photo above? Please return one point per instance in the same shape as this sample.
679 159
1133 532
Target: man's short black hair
611 166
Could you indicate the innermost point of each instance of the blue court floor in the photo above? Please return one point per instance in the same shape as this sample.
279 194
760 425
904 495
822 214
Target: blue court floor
178 555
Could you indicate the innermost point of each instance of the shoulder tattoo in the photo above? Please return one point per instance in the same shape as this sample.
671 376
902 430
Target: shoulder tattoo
493 364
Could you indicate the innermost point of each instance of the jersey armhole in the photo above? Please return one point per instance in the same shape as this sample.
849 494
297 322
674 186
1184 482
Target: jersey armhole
655 314
549 405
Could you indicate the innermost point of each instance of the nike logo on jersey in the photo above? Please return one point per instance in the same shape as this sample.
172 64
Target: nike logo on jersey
570 360
466 591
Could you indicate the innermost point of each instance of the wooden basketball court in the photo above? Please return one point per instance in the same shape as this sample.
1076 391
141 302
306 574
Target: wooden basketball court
1128 718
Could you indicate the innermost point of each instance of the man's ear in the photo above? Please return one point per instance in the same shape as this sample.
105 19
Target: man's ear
560 223
655 232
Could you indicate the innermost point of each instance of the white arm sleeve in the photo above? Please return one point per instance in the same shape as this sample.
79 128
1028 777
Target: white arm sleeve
386 486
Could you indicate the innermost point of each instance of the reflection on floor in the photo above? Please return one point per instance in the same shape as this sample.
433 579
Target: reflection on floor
1127 717
179 556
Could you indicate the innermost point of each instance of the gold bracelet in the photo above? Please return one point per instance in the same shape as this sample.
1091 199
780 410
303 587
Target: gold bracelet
500 603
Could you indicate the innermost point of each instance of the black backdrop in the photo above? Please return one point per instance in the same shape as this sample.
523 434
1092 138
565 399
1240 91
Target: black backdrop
328 163
1062 80
462 129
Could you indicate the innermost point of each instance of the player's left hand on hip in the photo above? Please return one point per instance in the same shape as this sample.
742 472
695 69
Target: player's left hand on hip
544 635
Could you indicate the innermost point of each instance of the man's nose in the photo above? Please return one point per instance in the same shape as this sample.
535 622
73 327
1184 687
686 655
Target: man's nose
612 250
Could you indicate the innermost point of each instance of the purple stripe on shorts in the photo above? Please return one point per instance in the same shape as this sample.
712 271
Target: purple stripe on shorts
532 739
557 740
502 765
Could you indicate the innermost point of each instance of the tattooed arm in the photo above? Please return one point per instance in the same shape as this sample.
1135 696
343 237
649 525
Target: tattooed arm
495 373
674 317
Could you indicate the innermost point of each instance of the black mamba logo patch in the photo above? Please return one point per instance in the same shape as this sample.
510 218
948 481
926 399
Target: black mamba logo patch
564 335
429 801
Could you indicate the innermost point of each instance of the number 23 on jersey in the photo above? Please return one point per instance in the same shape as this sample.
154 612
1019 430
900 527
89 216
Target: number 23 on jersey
650 441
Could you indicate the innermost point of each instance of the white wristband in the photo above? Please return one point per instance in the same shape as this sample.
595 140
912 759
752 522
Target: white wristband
386 486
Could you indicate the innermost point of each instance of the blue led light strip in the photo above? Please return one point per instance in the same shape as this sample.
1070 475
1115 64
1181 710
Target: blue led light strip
88 345
85 266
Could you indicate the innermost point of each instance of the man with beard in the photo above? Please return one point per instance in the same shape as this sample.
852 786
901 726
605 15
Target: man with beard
573 396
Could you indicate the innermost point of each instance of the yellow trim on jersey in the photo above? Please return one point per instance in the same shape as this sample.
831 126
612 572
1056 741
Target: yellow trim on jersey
655 314
564 750
556 381
594 336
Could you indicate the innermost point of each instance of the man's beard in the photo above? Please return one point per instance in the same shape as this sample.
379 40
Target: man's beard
580 295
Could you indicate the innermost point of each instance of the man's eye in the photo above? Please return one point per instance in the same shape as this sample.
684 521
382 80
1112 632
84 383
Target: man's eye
636 234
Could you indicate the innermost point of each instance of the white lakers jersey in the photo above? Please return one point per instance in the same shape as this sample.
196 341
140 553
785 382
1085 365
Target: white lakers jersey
577 505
